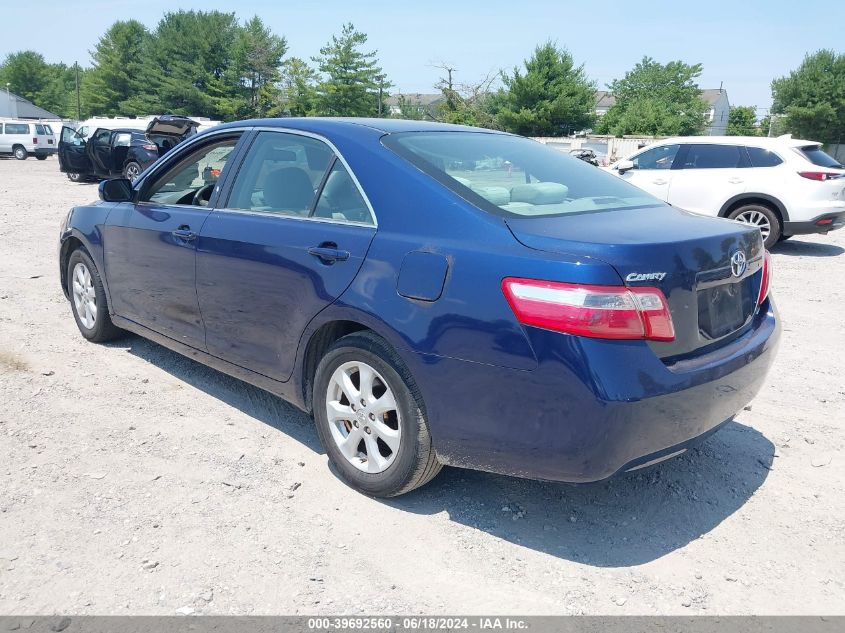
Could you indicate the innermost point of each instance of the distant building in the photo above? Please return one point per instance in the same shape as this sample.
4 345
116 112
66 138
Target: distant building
716 116
423 104
14 106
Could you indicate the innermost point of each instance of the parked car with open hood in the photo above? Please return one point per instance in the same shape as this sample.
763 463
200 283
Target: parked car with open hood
433 294
111 152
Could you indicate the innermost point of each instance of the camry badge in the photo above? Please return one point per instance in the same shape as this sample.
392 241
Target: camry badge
645 277
738 264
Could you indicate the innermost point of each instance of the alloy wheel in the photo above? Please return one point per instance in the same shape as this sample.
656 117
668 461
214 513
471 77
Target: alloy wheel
758 219
84 295
132 172
363 417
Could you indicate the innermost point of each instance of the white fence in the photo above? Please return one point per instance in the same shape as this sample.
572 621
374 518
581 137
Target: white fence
609 149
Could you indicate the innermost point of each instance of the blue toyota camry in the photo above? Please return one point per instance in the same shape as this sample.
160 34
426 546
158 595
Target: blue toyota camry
433 294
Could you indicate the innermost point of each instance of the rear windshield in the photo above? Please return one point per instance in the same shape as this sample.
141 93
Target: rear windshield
514 176
39 129
817 156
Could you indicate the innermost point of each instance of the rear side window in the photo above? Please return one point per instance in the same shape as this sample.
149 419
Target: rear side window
817 156
762 157
17 128
714 157
656 158
281 174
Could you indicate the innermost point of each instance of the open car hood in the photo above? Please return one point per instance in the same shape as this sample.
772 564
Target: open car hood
172 125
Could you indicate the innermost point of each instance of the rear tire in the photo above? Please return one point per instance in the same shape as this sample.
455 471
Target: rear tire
88 299
764 218
20 152
132 170
74 176
392 410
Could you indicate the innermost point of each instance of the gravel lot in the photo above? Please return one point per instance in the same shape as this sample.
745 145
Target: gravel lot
137 481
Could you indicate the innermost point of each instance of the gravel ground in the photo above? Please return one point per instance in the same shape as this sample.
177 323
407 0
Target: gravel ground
137 481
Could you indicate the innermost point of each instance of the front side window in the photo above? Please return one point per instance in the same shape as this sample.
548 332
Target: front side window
657 157
191 180
281 174
713 157
762 157
515 176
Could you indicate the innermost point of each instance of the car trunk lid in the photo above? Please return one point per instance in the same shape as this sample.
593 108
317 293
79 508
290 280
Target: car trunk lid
687 256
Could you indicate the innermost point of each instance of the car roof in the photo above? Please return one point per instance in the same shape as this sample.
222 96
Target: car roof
754 141
337 124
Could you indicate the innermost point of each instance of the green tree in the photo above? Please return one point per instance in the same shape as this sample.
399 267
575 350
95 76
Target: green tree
59 94
118 58
812 98
298 89
467 103
26 72
186 60
352 77
553 97
742 121
256 57
656 99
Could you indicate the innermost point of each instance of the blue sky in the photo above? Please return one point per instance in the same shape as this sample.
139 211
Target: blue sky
744 43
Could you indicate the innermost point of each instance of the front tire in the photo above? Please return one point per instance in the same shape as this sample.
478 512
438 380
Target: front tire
371 419
20 153
41 157
74 176
88 299
764 218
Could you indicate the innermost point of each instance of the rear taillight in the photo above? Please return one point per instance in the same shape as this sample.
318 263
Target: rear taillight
766 278
34 141
150 147
613 312
819 175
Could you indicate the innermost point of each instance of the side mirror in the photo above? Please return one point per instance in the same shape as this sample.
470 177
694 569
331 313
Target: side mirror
116 190
624 165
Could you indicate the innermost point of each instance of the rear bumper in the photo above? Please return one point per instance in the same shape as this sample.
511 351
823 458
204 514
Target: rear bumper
592 408
820 224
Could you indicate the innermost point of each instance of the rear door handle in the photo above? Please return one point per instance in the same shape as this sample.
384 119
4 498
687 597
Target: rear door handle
659 181
184 233
328 253
735 181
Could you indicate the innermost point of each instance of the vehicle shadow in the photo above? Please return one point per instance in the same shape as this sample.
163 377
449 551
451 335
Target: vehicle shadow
254 402
628 520
811 249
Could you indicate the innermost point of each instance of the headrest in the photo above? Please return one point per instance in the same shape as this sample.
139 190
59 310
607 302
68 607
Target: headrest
496 195
540 193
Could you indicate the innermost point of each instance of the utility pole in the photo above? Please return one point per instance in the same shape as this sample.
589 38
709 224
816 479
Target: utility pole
78 109
380 79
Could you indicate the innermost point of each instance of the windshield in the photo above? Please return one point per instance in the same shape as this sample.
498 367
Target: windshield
514 176
817 156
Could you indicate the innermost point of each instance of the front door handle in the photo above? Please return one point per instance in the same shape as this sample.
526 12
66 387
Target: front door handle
328 253
659 181
184 233
735 181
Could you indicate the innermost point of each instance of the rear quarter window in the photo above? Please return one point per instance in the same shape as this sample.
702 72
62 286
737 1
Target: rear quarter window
762 157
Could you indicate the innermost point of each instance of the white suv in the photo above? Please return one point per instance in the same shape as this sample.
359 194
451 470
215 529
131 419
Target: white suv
783 185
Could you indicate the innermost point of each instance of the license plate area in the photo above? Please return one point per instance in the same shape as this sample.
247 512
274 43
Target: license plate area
724 308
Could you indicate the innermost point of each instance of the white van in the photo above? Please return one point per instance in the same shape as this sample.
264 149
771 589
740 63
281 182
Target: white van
22 139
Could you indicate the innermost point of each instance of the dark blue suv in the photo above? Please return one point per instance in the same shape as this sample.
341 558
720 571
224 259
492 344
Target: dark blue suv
433 294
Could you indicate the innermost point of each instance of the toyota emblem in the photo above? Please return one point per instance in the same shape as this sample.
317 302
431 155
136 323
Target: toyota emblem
738 264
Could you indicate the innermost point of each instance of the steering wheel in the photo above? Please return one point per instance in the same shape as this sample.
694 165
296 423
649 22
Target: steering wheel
203 195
